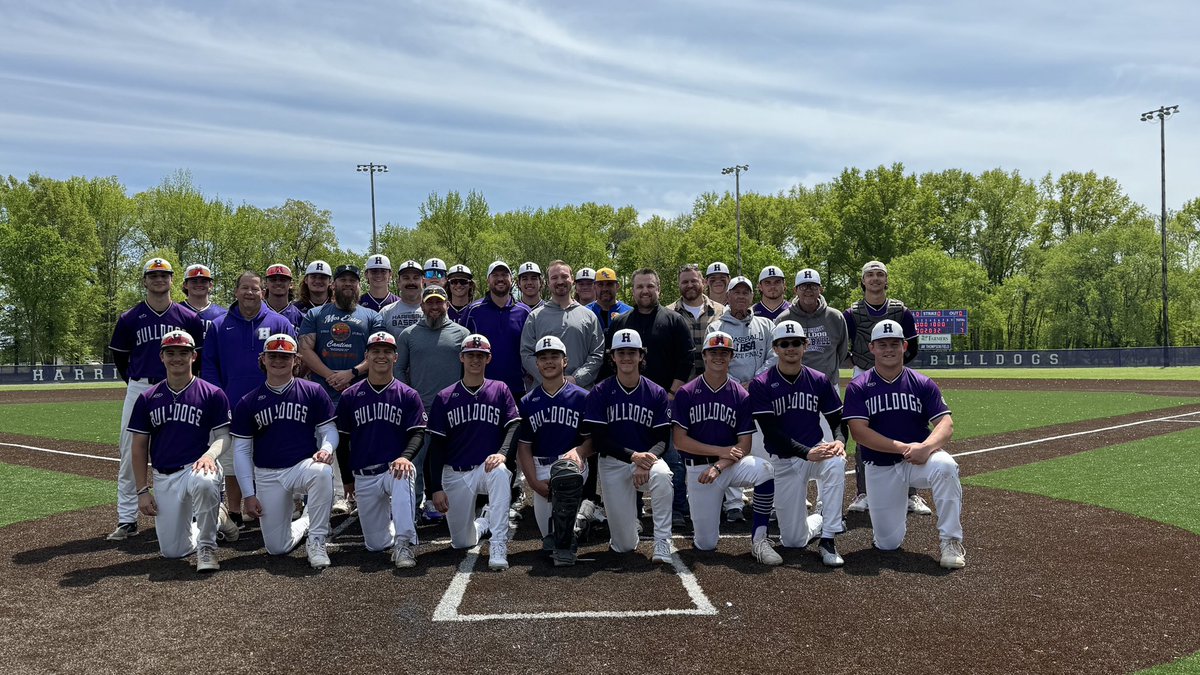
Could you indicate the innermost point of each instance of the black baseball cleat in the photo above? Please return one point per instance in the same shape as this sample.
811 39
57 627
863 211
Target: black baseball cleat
123 532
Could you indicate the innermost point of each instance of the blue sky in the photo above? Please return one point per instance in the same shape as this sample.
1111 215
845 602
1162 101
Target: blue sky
543 103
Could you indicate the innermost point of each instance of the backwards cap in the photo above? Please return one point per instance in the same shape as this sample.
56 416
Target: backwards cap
178 338
717 340
280 343
157 265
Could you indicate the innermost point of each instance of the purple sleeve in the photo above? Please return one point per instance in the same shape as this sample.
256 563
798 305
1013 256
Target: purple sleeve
830 401
196 327
216 410
324 407
745 417
855 406
759 403
243 420
122 337
662 410
210 359
679 407
593 406
511 412
139 417
437 416
416 418
345 417
933 401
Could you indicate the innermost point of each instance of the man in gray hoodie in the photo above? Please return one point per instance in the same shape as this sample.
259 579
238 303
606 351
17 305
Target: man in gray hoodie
427 360
828 340
569 321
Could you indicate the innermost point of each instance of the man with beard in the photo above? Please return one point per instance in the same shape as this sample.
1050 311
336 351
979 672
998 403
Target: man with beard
570 322
379 283
606 306
405 310
500 318
279 294
585 286
697 309
529 281
770 285
717 276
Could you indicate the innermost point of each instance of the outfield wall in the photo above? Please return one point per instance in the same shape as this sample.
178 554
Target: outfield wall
91 372
1059 358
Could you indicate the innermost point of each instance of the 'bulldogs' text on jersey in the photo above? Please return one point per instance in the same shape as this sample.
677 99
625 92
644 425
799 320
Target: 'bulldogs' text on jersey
901 410
798 404
179 423
713 417
628 416
551 423
379 421
282 424
473 424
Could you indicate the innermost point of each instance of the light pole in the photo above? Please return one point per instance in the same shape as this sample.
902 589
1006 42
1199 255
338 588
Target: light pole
737 170
1161 115
373 169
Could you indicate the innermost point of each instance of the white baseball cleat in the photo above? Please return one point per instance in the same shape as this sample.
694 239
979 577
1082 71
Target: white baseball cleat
206 559
226 528
859 504
918 506
764 554
403 555
498 556
954 555
318 558
662 551
342 507
123 532
829 554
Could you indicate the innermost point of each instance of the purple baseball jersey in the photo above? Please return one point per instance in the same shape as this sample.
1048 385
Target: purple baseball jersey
179 423
208 314
282 424
901 410
760 309
140 330
473 424
379 421
367 300
797 404
713 417
629 415
551 423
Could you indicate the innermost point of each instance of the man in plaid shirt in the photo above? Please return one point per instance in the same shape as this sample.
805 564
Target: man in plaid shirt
696 309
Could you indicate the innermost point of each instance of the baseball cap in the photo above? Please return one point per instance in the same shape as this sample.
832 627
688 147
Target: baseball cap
627 338
461 269
435 264
873 265
347 269
788 329
378 261
381 338
178 338
280 343
717 268
733 283
157 265
887 329
606 274
770 272
550 343
197 272
433 290
585 274
530 268
476 343
497 265
808 276
410 265
318 267
717 340
279 270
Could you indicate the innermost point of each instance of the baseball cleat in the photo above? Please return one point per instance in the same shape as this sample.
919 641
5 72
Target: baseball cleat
227 529
918 506
954 556
342 507
598 515
764 553
563 557
206 559
829 554
498 556
662 551
318 558
431 514
735 515
403 555
859 505
123 532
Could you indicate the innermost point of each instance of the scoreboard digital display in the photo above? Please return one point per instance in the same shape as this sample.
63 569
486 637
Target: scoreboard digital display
940 321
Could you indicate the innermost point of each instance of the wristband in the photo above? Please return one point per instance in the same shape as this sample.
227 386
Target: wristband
143 491
354 370
718 468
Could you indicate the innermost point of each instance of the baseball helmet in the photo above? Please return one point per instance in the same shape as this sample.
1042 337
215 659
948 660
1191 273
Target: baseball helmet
529 268
279 270
788 329
717 268
585 274
381 338
157 265
873 265
887 330
717 340
476 343
197 271
318 267
178 338
627 338
281 343
550 343
461 269
606 274
808 276
378 261
771 272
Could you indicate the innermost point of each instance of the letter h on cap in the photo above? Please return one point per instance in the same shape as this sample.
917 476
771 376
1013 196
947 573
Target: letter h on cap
887 328
625 337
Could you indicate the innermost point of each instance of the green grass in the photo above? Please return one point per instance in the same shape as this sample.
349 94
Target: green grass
30 494
980 413
1188 665
91 421
62 386
1149 373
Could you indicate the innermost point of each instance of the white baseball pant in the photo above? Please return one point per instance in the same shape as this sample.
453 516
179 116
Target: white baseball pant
620 501
461 488
888 487
791 492
275 489
180 497
541 505
386 508
127 501
705 500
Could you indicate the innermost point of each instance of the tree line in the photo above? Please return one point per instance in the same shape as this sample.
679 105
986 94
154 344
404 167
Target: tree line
1062 261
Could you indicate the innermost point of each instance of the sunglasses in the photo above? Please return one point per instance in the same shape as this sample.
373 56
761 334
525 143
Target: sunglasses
435 274
460 282
789 344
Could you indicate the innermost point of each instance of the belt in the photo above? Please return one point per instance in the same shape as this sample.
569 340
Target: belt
464 467
373 470
545 461
172 470
701 461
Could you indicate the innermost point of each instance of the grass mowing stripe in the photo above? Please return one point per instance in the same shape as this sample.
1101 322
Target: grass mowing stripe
90 421
30 494
981 413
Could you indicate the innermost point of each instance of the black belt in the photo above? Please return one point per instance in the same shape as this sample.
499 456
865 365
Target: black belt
701 461
545 461
464 467
373 470
172 470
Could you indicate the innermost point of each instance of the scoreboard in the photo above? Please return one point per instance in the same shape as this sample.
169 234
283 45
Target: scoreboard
940 321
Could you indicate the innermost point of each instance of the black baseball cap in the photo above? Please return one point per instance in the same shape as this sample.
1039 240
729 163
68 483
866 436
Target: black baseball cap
347 269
